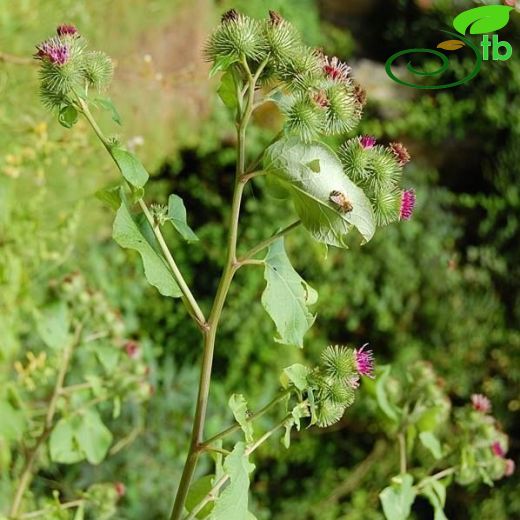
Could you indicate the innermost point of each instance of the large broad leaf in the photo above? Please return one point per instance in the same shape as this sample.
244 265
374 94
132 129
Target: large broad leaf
12 424
53 324
311 173
238 405
398 498
131 168
287 297
482 20
177 216
233 502
127 234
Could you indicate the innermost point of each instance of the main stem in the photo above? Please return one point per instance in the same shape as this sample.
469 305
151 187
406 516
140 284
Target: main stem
210 334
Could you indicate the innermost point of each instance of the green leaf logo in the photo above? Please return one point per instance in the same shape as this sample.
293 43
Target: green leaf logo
482 20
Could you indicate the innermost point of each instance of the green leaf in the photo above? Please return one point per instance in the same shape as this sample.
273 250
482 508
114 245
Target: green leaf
12 424
80 512
382 398
293 164
222 63
131 168
431 443
286 297
78 437
63 446
108 356
198 490
227 91
436 494
128 235
110 196
177 216
92 436
233 502
482 20
68 116
53 324
297 375
398 498
238 405
107 104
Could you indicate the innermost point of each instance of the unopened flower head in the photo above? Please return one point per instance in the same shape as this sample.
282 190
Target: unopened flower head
360 94
481 403
510 467
407 204
132 349
53 51
497 449
67 30
367 142
320 98
275 18
336 69
400 152
364 361
230 16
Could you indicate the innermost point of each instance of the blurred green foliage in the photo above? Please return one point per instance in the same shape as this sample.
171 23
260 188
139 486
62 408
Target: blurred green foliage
442 288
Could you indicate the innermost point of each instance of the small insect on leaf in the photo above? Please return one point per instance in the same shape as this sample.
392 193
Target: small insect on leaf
451 45
340 200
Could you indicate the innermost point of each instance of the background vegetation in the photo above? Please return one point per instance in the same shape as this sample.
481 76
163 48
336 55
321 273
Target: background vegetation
442 288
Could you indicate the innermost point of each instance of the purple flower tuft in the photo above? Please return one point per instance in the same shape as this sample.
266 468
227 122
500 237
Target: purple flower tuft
364 361
67 30
510 467
407 204
336 69
53 50
481 403
367 142
497 449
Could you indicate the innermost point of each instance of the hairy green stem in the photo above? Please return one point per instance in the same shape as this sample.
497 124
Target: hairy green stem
402 452
187 296
235 427
266 243
213 493
43 512
230 267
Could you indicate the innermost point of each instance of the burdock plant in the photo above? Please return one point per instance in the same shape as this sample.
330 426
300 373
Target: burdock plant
339 199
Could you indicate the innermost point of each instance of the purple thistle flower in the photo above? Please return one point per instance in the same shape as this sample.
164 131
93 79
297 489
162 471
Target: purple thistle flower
400 152
510 467
367 142
481 403
53 50
407 204
336 69
497 449
67 30
364 361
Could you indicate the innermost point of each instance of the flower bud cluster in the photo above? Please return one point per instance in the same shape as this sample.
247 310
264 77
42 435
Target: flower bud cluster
68 68
483 446
378 170
331 387
319 97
